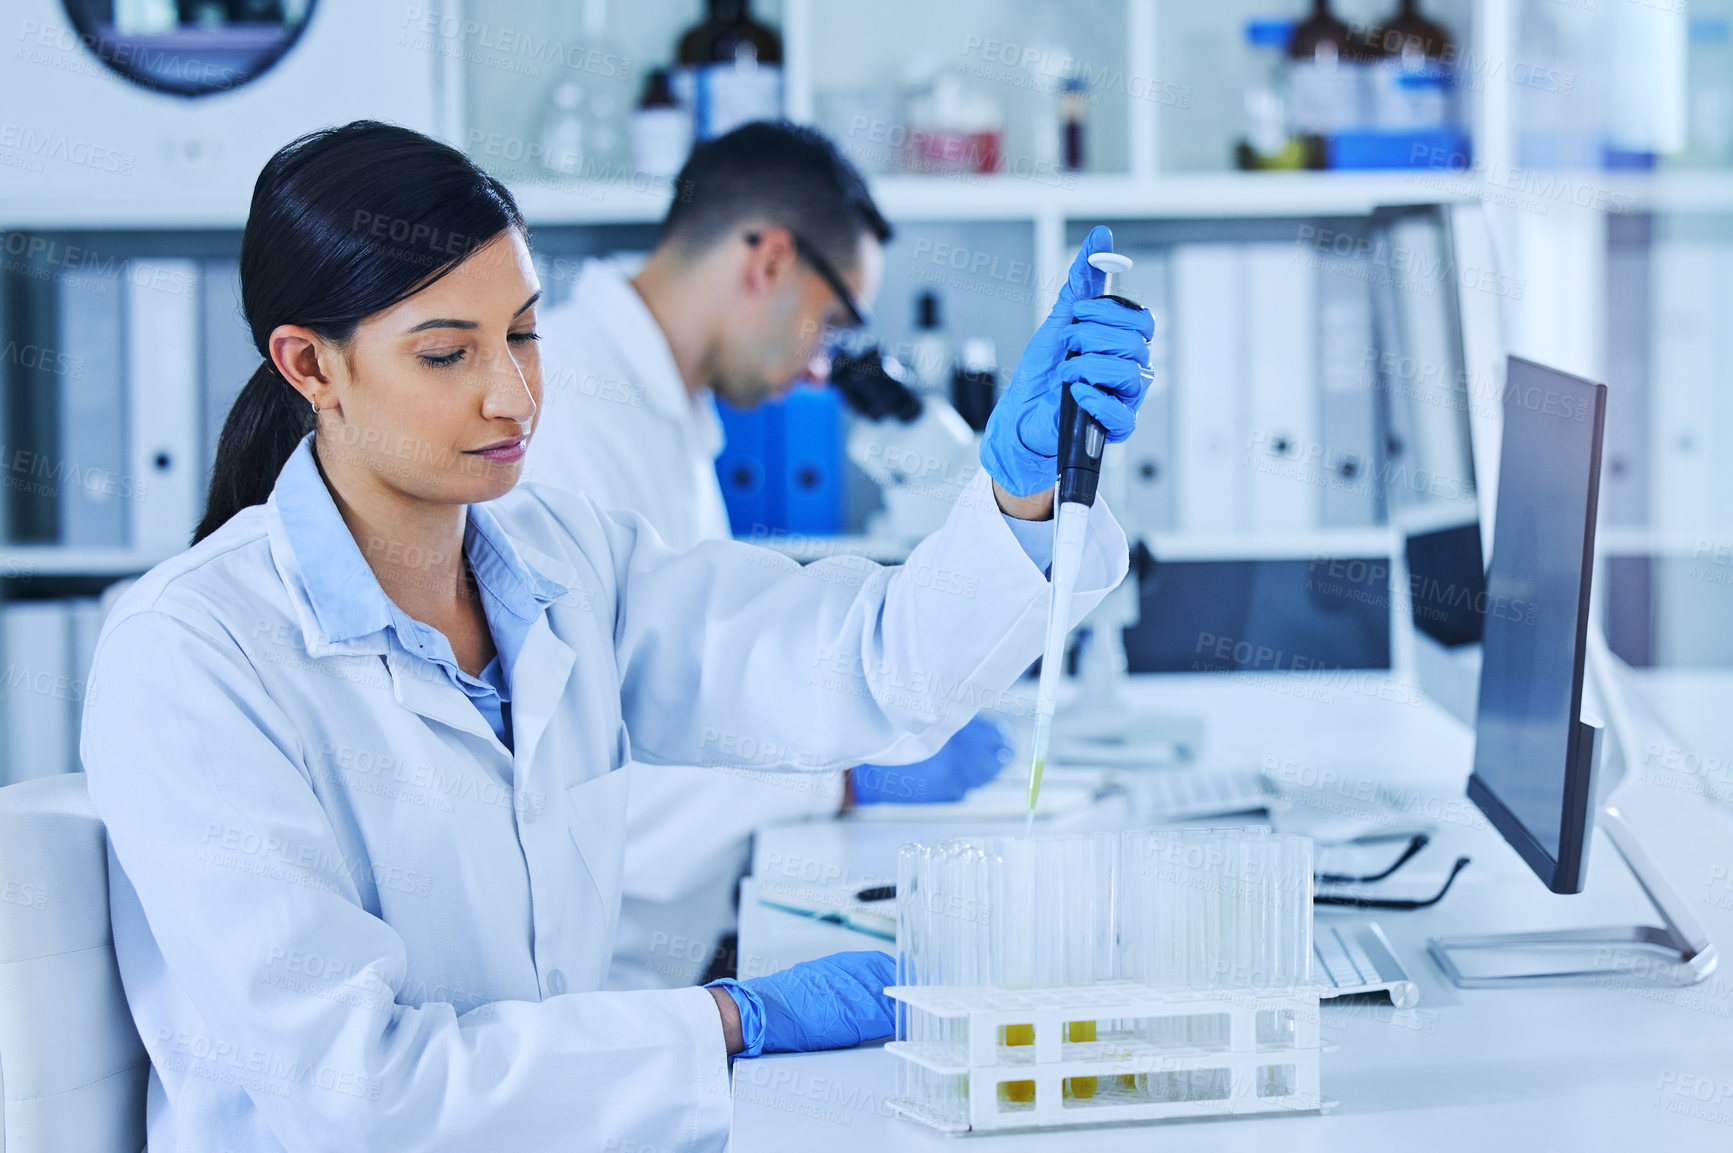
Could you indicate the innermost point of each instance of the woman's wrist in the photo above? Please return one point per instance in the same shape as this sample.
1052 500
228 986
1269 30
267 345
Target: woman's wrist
732 1037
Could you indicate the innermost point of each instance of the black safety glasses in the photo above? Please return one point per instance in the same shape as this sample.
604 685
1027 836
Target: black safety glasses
859 314
1417 843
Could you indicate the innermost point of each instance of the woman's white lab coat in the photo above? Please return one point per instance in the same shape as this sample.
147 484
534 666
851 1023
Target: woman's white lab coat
348 917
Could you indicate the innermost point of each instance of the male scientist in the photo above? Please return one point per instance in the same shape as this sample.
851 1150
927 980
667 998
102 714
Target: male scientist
771 246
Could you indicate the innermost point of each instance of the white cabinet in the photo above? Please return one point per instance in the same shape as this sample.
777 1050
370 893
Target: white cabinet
80 145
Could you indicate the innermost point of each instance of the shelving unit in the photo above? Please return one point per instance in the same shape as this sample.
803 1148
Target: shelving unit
468 98
48 561
1147 102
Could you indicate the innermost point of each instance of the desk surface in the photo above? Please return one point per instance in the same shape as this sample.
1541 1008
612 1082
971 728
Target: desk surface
1561 1068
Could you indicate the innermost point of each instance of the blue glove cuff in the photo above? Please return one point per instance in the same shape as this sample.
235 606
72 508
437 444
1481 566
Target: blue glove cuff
751 1014
888 784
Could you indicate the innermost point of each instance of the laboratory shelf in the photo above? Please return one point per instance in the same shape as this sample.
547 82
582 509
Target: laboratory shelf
191 208
591 202
961 199
965 199
1707 543
1171 195
1315 544
1166 195
57 561
1542 192
1705 191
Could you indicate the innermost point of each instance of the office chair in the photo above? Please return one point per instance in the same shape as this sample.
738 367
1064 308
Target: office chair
72 1068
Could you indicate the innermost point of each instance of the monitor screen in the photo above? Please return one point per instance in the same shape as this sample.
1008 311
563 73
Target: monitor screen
1527 773
1447 584
1321 614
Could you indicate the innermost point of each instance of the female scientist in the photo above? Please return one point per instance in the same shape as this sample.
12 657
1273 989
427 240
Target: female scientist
356 748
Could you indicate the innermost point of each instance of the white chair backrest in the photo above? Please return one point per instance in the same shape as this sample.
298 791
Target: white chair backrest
72 1070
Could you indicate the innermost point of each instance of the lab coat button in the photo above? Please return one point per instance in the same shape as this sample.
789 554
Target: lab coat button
556 982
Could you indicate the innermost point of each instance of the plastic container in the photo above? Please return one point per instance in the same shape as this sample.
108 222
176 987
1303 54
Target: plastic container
1061 980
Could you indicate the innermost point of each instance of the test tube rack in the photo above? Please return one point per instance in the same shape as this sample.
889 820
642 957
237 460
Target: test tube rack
1156 1053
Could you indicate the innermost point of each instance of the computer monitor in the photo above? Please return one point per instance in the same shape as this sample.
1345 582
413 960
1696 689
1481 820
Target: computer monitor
1447 582
1534 759
1261 614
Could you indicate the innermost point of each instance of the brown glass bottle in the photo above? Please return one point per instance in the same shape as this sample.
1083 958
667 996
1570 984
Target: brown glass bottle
1411 85
1321 34
1410 31
727 33
1325 64
729 70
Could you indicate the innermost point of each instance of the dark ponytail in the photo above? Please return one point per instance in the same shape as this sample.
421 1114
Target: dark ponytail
344 223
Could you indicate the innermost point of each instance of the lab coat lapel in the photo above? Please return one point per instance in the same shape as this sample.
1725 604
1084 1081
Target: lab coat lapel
538 683
420 687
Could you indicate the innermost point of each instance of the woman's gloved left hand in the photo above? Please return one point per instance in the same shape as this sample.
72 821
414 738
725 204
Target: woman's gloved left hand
831 1003
973 756
1108 376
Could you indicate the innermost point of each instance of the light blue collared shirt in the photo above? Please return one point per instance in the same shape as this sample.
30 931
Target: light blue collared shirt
349 602
1036 537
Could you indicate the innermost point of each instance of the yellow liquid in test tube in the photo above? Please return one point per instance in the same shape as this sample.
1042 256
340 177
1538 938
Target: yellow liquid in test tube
1017 1092
1080 1087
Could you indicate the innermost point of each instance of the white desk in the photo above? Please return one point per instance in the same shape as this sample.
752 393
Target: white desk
1566 1069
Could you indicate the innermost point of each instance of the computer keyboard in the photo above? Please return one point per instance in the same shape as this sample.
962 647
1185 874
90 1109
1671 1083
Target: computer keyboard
1356 958
1185 794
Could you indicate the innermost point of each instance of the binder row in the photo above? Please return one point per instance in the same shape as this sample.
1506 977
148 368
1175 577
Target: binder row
46 647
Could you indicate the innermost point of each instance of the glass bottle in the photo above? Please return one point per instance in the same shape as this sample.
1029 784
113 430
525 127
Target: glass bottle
729 70
661 129
562 133
975 382
1324 73
256 12
204 13
1073 119
1709 92
145 17
583 128
1268 143
929 351
1410 71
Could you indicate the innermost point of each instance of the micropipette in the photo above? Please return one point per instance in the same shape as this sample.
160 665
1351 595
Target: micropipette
1081 439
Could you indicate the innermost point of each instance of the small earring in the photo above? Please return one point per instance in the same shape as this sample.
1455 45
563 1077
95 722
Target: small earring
315 401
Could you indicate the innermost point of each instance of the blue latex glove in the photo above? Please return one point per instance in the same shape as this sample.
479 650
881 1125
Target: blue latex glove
972 757
830 1003
1109 377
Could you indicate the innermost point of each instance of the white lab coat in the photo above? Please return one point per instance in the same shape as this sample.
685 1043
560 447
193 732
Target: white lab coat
347 917
618 425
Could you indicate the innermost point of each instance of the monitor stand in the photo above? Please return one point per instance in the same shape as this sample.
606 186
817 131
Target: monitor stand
1676 953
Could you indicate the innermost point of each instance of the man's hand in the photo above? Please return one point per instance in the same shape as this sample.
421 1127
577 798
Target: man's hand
731 1036
1037 507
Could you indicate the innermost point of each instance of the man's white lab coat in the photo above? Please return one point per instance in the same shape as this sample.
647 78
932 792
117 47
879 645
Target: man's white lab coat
618 424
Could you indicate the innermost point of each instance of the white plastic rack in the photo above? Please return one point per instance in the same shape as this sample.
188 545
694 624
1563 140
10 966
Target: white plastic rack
1152 1053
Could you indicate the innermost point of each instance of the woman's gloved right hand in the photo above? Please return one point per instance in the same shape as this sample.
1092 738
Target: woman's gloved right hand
1109 375
831 1003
